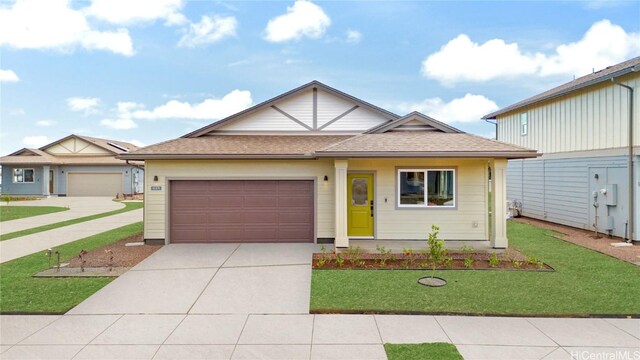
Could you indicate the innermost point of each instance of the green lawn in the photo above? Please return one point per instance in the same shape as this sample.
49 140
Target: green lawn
18 212
22 293
585 283
432 351
128 206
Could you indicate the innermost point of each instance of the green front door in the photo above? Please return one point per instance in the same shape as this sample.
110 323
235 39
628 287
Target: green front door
360 204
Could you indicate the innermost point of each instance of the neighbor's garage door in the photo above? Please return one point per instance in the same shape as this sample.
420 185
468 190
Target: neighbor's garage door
94 184
241 211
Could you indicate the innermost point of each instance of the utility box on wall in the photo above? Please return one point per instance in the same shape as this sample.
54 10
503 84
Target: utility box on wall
612 194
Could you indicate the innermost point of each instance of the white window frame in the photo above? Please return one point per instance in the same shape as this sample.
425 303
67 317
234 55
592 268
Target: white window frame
524 124
13 176
426 196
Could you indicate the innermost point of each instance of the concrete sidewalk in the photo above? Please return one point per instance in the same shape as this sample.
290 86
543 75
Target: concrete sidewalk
242 336
78 207
25 245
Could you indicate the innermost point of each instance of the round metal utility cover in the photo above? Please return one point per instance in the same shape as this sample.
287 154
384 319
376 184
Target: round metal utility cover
432 281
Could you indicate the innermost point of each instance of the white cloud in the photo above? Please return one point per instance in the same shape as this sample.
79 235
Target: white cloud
128 12
303 19
52 24
462 59
35 141
123 116
45 123
209 109
119 124
209 30
88 105
354 36
8 76
468 108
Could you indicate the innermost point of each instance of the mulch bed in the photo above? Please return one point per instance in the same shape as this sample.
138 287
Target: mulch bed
586 239
123 256
509 260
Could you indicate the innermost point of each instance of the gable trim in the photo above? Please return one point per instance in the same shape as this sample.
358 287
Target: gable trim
438 125
314 84
338 117
290 117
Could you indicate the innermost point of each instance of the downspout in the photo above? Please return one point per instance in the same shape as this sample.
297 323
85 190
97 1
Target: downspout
495 124
629 159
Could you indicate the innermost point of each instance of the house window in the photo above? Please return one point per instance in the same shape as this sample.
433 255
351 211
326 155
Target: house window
23 175
426 188
524 124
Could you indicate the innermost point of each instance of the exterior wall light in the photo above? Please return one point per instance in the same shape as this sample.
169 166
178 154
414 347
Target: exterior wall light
155 178
326 178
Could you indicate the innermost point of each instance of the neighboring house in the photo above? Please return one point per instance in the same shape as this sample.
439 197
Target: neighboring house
73 166
314 165
582 127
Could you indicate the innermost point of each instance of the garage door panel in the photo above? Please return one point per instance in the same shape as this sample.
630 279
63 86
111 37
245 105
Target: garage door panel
242 211
295 201
260 201
94 184
191 219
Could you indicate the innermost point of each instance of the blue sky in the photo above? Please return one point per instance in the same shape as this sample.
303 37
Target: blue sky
148 71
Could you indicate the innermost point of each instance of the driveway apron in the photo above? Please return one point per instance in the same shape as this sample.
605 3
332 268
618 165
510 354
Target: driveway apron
211 279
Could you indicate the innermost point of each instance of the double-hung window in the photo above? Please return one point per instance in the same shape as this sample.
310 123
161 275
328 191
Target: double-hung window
524 124
23 175
426 188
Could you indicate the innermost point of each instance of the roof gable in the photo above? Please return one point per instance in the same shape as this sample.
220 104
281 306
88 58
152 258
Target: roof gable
85 145
313 107
414 121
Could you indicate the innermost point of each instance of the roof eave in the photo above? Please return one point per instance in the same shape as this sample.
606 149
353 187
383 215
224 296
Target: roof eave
429 154
608 77
142 157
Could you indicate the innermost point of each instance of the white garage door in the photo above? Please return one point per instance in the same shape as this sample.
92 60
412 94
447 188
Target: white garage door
94 184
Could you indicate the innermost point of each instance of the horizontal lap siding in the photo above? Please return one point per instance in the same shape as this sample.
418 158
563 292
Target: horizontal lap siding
415 224
155 200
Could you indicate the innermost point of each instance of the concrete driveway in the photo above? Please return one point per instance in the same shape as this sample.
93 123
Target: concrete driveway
78 207
211 279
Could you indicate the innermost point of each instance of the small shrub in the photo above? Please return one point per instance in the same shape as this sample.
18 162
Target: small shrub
425 264
516 264
447 262
540 265
359 263
339 260
532 260
468 262
384 255
437 251
353 254
493 260
408 252
321 263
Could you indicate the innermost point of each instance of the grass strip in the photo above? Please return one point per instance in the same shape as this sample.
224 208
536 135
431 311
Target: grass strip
20 212
584 283
128 206
23 294
430 351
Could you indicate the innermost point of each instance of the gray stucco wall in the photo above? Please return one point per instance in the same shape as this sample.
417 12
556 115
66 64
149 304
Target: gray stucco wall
560 190
9 187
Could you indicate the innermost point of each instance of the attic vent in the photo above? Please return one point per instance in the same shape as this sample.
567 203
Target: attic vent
118 147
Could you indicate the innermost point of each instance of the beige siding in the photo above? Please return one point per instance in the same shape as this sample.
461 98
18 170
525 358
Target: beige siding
155 201
414 224
591 119
300 107
391 223
330 107
267 119
76 146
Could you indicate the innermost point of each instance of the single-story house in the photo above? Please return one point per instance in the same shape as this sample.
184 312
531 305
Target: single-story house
316 164
73 166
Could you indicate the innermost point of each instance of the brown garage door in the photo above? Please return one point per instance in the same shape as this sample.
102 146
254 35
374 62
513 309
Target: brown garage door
241 211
